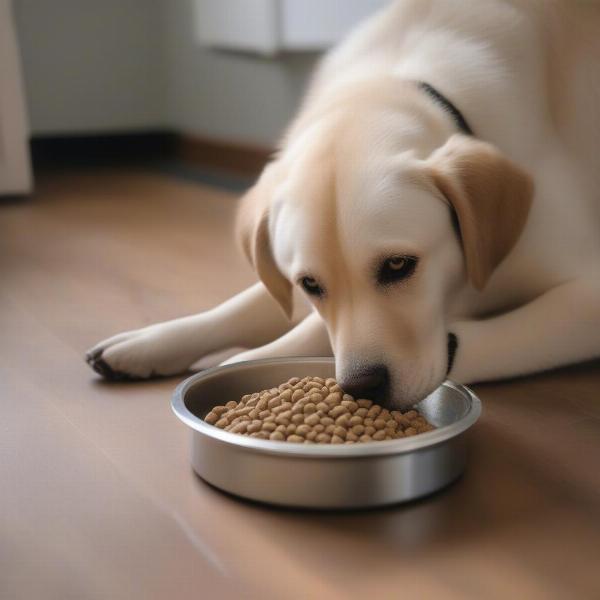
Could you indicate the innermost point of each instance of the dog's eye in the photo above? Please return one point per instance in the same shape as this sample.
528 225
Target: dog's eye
396 268
311 286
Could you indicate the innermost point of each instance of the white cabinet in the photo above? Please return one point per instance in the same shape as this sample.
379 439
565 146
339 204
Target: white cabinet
15 170
271 26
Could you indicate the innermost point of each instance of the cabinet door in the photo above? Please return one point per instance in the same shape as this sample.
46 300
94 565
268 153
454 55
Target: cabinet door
15 170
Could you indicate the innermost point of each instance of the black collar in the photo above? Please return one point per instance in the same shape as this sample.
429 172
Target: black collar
456 115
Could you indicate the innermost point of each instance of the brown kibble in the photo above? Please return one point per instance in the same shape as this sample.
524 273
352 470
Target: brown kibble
333 399
309 408
425 428
303 429
314 410
374 411
240 427
281 420
298 409
262 404
350 405
273 402
340 431
268 426
212 417
254 426
311 386
358 429
312 419
336 411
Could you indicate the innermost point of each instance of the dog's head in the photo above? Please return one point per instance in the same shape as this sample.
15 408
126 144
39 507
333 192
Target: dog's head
381 238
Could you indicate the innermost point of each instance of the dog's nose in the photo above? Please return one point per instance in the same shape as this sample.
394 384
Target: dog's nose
371 383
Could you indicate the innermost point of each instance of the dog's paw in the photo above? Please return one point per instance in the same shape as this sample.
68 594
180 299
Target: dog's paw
149 352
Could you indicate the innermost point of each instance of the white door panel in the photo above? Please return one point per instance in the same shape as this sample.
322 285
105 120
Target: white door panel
15 170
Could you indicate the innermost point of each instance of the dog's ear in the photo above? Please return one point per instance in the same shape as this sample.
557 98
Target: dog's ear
490 196
253 235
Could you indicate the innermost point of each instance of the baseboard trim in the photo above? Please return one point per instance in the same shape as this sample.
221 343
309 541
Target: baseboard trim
136 147
232 157
102 148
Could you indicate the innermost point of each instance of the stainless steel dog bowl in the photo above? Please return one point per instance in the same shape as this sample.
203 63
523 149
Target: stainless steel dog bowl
321 475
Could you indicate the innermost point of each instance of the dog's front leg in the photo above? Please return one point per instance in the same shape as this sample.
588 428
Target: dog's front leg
249 319
309 338
558 328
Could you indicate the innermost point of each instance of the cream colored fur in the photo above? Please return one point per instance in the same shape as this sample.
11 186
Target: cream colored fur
373 167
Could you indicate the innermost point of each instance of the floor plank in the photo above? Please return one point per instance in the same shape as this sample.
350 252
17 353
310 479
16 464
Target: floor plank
98 500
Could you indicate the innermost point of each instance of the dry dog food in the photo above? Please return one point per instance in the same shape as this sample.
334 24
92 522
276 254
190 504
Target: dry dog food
314 410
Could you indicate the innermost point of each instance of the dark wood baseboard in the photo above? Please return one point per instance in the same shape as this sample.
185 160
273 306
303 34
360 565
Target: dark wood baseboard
125 148
242 159
109 148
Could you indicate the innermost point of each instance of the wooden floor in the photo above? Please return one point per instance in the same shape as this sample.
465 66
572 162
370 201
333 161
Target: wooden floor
98 500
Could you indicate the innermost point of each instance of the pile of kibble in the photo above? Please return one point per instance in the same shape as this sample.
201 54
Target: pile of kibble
314 410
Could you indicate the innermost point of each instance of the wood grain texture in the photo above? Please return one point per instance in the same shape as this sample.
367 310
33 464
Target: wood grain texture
98 499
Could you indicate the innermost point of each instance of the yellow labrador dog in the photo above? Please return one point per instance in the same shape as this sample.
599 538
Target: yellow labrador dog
436 201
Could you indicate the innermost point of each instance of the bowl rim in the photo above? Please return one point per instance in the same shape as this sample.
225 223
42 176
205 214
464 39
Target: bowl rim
375 448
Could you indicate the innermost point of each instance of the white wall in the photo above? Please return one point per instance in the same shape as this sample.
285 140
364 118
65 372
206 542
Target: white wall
110 65
92 65
225 95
